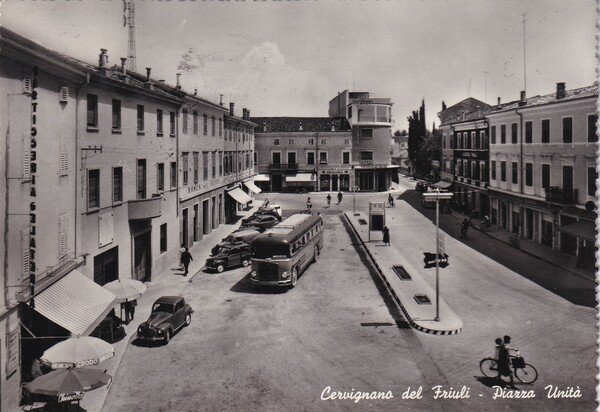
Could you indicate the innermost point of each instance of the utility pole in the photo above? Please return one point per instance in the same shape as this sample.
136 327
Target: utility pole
524 54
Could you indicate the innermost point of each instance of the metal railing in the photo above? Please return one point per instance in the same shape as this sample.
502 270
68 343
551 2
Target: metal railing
556 194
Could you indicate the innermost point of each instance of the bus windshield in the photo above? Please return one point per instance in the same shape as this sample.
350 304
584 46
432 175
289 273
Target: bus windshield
271 250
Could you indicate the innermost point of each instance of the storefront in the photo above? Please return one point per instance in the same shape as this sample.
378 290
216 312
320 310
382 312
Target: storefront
300 182
375 178
578 239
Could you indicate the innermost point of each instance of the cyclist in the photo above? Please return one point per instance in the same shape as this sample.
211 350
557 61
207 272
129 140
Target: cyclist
504 360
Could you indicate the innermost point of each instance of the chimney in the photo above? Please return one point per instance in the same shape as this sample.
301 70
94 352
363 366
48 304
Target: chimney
103 61
560 91
244 115
443 105
522 100
498 101
178 84
231 109
148 70
221 99
123 67
195 91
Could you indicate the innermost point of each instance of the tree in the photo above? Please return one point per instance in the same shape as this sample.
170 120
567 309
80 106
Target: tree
417 131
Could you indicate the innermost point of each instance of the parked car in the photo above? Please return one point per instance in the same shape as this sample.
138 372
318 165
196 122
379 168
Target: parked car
261 222
245 235
232 255
421 186
169 314
271 209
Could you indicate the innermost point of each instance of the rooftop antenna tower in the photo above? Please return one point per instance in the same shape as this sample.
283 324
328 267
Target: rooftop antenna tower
524 54
129 22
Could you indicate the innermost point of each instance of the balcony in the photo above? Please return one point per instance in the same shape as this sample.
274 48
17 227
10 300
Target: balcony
140 209
283 167
555 194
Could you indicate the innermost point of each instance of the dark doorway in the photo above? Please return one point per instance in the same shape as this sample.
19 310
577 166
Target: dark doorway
277 181
184 227
205 217
547 233
528 224
503 215
291 157
195 223
515 222
276 158
568 243
334 183
142 257
106 266
382 185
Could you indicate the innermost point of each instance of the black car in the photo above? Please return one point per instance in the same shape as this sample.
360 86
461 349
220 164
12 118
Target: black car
245 235
261 222
169 314
229 256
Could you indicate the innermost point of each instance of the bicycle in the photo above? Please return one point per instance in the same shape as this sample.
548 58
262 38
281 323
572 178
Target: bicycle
524 372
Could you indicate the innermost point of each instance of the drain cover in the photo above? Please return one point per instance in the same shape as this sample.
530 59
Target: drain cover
401 272
362 221
422 300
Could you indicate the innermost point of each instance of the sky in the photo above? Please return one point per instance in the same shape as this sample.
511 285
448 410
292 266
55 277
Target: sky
289 58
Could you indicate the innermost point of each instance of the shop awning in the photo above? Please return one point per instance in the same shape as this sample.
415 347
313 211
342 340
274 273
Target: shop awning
252 187
442 184
261 178
301 177
583 228
239 195
76 303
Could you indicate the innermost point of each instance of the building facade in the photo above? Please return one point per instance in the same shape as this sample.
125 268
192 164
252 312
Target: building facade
543 169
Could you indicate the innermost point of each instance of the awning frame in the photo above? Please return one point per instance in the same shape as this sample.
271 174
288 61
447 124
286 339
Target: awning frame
239 196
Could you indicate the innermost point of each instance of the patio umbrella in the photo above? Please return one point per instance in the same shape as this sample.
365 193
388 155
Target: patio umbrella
126 289
77 352
68 384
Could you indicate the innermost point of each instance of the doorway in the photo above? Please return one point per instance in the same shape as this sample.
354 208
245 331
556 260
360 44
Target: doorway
291 157
106 266
528 224
142 257
515 222
195 223
277 182
184 227
205 217
334 183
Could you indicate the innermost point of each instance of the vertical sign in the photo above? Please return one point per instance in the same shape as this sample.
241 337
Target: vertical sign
12 351
33 172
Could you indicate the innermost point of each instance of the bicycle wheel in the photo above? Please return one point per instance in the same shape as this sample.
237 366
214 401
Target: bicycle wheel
489 367
528 374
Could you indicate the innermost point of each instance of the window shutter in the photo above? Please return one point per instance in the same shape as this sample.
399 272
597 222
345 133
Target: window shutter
26 164
63 236
64 94
27 85
25 254
64 160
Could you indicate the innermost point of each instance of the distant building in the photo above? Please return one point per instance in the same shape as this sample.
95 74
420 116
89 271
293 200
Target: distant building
400 154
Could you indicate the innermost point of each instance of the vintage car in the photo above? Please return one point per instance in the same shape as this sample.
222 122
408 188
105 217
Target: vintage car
245 235
272 209
232 255
261 222
169 314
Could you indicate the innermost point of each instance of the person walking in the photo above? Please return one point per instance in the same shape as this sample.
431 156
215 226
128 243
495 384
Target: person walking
308 204
339 197
329 200
386 236
181 250
504 361
186 258
464 227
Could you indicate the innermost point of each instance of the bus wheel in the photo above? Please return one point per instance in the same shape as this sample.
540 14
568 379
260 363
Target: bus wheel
294 277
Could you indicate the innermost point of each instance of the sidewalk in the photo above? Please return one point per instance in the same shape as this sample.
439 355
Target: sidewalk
420 316
532 248
169 282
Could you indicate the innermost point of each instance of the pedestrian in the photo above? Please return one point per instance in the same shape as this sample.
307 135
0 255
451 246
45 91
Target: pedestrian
181 250
339 196
328 199
186 258
464 227
130 310
497 349
386 236
504 361
308 204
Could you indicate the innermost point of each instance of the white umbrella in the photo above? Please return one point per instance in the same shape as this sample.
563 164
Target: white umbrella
77 352
126 289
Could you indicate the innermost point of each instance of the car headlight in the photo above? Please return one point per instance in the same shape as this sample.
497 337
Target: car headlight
160 331
285 274
139 329
253 273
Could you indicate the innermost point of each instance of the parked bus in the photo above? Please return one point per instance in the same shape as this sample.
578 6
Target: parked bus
281 253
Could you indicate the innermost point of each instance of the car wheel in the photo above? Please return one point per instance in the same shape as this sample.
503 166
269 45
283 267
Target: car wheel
294 277
245 262
188 319
220 268
167 336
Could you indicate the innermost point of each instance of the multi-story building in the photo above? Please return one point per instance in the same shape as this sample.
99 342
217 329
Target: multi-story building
542 182
350 148
400 154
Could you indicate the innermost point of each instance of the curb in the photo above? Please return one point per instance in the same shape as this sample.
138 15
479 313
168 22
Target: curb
393 293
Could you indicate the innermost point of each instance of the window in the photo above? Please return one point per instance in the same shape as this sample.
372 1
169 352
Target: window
159 122
513 133
528 132
346 158
173 175
93 188
184 121
220 163
163 238
185 166
493 134
546 131
117 184
366 133
116 114
140 118
172 124
92 110
515 172
503 134
323 141
205 119
311 141
196 161
592 120
275 142
291 141
213 164
545 176
482 140
213 125
195 122
592 176
366 156
160 177
528 174
141 178
204 165
220 127
310 158
503 171
473 144
346 141
493 170
323 158
567 129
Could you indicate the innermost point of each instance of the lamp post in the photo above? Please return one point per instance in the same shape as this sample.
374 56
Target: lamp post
437 196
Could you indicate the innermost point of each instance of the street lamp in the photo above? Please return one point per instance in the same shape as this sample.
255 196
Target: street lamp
436 197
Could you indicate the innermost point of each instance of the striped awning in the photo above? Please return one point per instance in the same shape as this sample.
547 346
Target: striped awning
239 196
261 178
76 303
252 187
301 177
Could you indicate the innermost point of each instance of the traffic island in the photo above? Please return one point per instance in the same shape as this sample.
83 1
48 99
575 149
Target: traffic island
406 284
